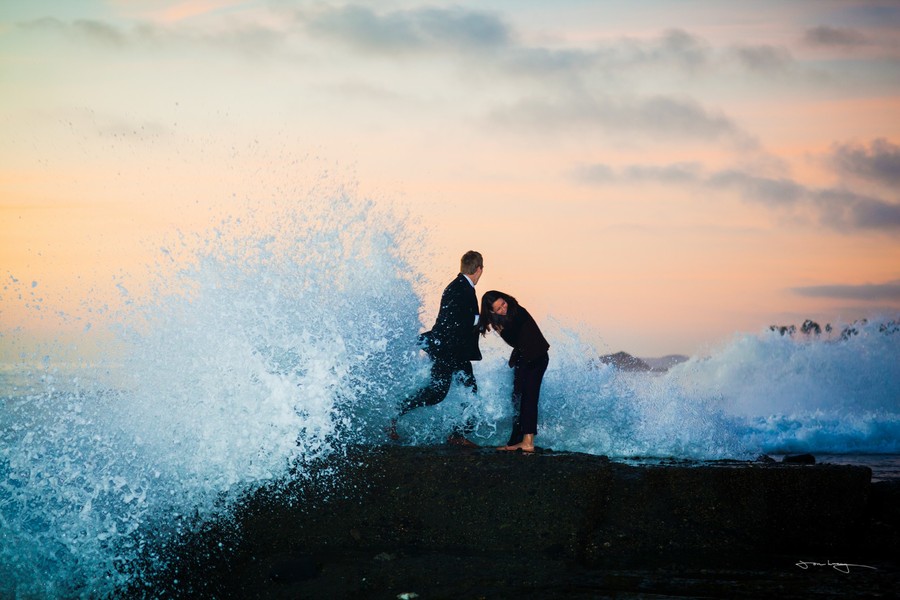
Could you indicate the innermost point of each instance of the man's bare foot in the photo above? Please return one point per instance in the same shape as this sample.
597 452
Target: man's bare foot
391 431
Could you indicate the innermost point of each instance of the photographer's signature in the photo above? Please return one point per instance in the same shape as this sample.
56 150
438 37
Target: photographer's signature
837 566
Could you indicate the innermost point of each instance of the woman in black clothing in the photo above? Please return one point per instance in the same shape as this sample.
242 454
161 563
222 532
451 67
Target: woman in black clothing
502 313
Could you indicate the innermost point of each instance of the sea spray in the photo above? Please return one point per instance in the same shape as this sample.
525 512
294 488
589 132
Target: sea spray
759 393
256 349
589 406
807 393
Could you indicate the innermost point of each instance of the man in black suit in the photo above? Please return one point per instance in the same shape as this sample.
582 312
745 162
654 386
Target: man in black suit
453 341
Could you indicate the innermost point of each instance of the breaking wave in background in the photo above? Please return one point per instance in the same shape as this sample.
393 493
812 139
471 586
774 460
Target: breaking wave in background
265 344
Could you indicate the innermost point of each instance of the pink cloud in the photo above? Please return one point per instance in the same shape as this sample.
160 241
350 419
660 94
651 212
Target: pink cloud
188 9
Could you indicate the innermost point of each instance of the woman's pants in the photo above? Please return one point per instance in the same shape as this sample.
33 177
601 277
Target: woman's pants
527 380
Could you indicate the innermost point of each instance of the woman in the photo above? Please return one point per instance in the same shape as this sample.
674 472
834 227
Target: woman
502 313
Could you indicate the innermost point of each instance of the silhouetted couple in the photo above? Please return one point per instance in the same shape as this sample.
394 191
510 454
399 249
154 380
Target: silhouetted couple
452 345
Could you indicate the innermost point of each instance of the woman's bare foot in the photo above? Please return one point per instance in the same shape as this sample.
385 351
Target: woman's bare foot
526 445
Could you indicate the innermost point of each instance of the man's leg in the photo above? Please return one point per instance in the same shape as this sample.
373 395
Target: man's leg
435 391
467 378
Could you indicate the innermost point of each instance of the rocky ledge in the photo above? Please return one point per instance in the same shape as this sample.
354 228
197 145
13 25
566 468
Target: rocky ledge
445 522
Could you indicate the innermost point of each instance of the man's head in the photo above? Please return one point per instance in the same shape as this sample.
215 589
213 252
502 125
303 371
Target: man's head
472 264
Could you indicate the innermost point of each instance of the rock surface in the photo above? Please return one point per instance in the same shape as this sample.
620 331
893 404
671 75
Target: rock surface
625 362
446 522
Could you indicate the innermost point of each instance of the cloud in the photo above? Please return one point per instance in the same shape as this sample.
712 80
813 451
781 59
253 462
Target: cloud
482 38
684 173
874 292
871 14
763 58
655 115
756 188
872 213
838 208
453 30
880 162
92 31
240 37
683 116
543 62
674 47
834 36
674 50
842 208
188 9
465 31
411 30
677 48
596 173
494 43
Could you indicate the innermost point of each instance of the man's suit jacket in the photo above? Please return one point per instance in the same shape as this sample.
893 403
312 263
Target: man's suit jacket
454 335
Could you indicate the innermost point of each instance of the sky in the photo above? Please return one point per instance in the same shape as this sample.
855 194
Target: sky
659 175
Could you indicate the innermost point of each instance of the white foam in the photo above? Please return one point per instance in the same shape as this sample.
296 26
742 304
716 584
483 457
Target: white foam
241 362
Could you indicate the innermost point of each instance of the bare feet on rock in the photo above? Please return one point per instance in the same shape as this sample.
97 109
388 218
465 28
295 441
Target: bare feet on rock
516 447
526 445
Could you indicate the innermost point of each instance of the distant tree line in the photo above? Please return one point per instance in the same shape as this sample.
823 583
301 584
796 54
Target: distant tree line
811 328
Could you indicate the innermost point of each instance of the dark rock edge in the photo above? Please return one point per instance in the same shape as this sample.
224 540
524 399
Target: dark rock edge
445 522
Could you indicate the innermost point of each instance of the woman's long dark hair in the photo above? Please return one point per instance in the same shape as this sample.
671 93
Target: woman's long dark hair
490 320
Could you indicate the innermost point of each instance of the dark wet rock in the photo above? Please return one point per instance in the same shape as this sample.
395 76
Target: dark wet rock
625 362
453 523
799 459
292 569
664 363
884 513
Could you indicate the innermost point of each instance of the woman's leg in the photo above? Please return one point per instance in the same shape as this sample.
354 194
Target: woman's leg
532 378
528 386
515 436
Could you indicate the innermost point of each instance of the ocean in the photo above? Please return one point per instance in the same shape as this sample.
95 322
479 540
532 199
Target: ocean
251 354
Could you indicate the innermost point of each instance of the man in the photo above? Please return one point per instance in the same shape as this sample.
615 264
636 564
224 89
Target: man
453 342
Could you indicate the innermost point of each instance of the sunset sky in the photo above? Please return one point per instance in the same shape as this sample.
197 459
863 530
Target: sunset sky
660 174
